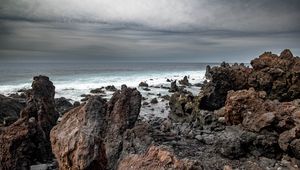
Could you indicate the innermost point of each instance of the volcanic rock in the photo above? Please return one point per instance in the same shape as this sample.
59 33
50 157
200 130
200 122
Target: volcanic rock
62 105
90 136
184 81
143 84
278 76
174 87
27 140
111 88
9 110
77 141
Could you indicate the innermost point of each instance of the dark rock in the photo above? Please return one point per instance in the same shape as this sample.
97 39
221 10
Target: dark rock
98 90
198 84
143 84
145 103
62 105
146 89
166 97
27 140
76 104
154 101
174 87
102 124
278 76
111 88
9 110
77 141
184 81
168 80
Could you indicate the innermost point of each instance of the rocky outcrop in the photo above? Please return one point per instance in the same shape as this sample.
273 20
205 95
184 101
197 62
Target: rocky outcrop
77 141
278 76
9 110
154 158
174 87
122 112
255 113
184 81
222 79
27 140
90 136
62 105
184 108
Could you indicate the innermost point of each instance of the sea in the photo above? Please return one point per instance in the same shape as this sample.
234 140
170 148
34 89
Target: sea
72 79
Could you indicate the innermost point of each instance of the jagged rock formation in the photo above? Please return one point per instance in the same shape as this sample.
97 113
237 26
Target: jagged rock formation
77 141
184 108
90 136
174 87
62 105
184 81
9 110
27 140
250 109
278 76
154 158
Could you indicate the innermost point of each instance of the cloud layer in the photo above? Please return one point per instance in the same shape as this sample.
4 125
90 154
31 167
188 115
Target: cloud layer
166 15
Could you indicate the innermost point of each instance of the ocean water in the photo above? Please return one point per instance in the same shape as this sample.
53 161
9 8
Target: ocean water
73 79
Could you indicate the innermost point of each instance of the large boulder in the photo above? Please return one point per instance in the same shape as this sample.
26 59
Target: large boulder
222 79
255 113
122 112
278 76
22 144
9 110
77 141
26 141
91 135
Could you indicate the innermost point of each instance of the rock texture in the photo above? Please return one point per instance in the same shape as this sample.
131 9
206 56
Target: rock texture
278 76
255 113
77 141
154 158
184 81
9 110
62 105
27 140
91 136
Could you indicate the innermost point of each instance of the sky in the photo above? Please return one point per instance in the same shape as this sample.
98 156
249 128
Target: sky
147 30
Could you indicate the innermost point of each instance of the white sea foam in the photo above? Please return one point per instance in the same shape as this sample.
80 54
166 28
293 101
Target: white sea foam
73 86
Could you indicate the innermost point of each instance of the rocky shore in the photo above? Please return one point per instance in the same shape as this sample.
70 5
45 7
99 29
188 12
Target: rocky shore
241 118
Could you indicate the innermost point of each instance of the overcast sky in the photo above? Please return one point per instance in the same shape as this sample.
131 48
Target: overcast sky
147 30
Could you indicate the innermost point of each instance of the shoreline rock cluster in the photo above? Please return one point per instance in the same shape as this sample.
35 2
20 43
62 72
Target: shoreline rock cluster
243 118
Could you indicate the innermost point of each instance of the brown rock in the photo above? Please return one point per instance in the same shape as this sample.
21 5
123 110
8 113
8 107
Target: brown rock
122 112
9 110
90 136
154 158
278 76
77 141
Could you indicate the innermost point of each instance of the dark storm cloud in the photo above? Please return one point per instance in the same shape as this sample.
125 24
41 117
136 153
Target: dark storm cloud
164 30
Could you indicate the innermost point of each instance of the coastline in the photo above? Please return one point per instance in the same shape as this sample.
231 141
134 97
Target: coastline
242 118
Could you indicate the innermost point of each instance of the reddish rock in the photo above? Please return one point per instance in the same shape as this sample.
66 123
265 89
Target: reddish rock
27 141
122 112
77 141
154 158
253 111
9 110
278 76
90 136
